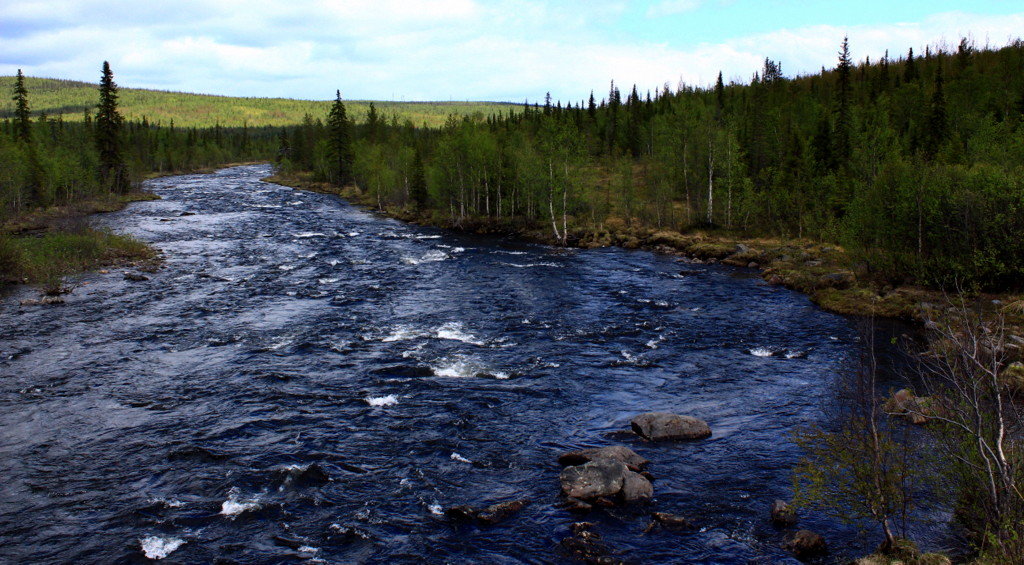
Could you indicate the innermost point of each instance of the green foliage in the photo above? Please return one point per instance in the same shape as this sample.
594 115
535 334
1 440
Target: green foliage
71 99
46 260
339 140
113 173
837 474
22 121
920 178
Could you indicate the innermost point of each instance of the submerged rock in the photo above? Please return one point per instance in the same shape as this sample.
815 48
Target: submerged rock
805 544
614 452
44 301
783 515
662 426
489 516
669 522
586 545
135 277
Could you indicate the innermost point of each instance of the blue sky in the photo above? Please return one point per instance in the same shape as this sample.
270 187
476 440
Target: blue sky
467 49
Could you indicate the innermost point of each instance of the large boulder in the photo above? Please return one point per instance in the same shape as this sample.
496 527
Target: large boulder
806 544
636 488
604 482
602 477
614 452
662 426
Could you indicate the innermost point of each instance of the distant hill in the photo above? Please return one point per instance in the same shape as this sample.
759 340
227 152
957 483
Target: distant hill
73 98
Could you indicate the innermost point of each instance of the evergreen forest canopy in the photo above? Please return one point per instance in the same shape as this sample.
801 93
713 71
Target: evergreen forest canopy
914 163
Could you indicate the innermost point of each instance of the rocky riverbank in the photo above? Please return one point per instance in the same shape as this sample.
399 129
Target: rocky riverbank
824 272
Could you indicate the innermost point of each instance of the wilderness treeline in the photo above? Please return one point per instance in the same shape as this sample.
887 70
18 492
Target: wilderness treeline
914 162
49 161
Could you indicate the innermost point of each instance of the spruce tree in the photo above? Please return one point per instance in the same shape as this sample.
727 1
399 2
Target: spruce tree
113 172
841 130
936 124
418 185
22 121
720 93
373 123
910 68
592 107
340 143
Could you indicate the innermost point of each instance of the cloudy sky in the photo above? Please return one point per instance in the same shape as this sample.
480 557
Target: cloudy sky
467 49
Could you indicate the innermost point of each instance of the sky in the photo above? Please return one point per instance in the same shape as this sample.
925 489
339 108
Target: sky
500 50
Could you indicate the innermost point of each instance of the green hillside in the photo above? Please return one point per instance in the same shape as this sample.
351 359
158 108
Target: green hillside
72 98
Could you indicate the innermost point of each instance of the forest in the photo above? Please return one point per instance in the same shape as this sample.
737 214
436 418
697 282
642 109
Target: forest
73 99
913 163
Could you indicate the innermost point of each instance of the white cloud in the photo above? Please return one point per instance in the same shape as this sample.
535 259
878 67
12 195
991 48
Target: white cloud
446 49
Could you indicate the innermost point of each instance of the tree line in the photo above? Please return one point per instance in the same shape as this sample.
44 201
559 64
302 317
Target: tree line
52 161
913 163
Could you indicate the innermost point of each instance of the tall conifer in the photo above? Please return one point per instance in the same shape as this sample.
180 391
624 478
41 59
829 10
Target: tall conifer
340 143
22 121
113 172
841 130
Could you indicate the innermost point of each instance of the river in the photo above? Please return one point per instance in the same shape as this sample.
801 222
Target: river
306 381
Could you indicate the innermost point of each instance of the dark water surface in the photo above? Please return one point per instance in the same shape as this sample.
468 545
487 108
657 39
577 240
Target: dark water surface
406 370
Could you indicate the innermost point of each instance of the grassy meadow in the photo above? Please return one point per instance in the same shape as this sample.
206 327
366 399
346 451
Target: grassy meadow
73 98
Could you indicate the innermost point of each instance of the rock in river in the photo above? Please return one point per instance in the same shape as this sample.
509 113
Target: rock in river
662 426
783 514
603 480
805 544
489 516
613 452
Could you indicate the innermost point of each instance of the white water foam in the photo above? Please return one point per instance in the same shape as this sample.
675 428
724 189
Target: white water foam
433 256
436 509
155 547
401 333
653 344
456 331
456 457
381 401
286 267
233 507
761 352
327 281
168 503
529 265
309 234
463 368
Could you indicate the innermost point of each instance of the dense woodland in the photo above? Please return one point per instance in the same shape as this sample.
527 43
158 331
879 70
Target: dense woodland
51 161
914 162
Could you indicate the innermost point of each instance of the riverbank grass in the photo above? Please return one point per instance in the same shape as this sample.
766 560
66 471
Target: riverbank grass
46 259
42 247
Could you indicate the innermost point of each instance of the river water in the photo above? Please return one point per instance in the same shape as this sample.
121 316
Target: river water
305 381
